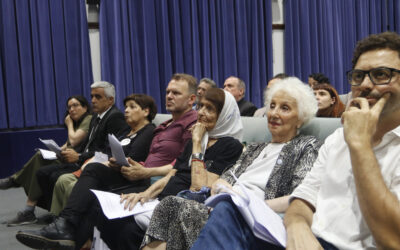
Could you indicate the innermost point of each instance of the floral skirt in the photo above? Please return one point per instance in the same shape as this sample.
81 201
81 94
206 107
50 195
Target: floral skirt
176 221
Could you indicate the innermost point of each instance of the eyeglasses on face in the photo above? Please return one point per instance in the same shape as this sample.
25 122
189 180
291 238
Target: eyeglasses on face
73 105
378 76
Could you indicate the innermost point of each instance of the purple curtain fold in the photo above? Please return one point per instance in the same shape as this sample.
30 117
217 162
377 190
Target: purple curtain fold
320 35
45 58
143 42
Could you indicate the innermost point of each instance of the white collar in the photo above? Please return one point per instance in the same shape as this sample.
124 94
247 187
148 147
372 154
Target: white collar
104 113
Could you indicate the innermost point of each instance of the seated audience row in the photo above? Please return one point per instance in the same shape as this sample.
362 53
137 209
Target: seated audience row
358 152
350 199
270 170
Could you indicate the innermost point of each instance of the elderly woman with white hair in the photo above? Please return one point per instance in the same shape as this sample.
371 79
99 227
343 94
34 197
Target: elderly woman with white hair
271 170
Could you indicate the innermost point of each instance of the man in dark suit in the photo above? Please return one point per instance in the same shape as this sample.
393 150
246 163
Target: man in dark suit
237 88
108 119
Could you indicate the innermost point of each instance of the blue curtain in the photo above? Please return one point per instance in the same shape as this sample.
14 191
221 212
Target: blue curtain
320 35
393 7
44 58
143 42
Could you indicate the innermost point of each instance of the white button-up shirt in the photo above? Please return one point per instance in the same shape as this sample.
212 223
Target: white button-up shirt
330 188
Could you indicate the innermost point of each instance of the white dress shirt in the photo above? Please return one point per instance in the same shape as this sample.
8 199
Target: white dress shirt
330 188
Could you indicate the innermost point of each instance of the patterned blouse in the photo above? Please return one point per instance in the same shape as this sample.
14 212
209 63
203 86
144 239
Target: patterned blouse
294 162
178 221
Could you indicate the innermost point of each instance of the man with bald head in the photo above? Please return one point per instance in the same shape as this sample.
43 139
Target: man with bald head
237 88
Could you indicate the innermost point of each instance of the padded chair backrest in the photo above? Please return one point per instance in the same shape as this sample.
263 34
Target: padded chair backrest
321 127
160 118
255 129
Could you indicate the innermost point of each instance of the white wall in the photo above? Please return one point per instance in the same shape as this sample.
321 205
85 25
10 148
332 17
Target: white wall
278 41
92 13
94 37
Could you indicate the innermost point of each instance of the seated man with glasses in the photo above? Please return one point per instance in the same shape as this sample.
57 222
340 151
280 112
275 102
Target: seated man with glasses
350 198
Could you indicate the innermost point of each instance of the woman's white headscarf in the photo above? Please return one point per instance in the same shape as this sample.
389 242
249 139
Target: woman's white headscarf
229 123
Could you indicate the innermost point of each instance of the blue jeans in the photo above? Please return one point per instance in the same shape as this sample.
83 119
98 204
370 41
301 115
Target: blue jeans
226 229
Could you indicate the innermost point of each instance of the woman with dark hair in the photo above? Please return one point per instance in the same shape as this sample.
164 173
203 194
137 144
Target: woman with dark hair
329 103
78 110
214 147
77 120
140 110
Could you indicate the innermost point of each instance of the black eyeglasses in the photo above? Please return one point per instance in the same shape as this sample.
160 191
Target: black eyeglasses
378 76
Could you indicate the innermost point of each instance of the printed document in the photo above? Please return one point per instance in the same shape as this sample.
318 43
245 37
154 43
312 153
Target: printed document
264 222
117 151
51 145
112 208
47 154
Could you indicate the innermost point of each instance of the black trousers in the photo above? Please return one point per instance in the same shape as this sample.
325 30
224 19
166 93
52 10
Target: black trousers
47 177
118 234
100 177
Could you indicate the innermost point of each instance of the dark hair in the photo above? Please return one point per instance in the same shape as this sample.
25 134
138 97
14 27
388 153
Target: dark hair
320 78
191 81
280 76
84 103
334 110
145 102
217 97
385 40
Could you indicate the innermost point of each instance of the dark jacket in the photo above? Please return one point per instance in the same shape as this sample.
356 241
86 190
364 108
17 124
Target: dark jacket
246 108
113 122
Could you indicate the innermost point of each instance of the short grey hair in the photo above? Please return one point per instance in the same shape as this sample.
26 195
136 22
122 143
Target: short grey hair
307 104
109 89
209 82
241 85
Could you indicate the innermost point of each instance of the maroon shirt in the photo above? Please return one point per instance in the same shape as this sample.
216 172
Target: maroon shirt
169 141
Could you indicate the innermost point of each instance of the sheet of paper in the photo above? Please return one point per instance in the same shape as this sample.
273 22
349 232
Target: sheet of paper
112 208
99 157
267 224
47 154
117 151
51 145
264 222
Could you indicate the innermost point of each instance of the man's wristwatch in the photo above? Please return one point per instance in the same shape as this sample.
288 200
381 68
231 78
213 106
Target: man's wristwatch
198 156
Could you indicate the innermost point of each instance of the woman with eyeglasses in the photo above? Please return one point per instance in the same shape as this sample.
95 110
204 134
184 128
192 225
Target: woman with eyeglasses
77 120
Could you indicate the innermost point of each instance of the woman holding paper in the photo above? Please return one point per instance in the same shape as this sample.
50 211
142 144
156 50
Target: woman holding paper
214 147
77 119
140 110
269 170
